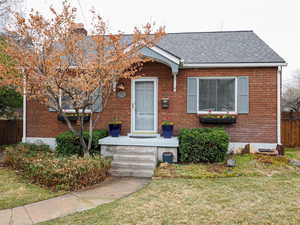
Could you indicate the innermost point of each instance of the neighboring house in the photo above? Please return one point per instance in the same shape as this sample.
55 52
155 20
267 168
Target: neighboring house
226 72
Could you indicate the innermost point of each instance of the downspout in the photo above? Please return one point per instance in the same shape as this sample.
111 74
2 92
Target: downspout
24 112
279 76
174 81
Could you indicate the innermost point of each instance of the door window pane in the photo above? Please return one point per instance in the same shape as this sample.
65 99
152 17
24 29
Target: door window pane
144 105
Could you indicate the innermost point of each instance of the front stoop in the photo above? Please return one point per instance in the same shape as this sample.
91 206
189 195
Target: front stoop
136 157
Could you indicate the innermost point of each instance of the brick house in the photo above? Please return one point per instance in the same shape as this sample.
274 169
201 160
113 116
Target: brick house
232 72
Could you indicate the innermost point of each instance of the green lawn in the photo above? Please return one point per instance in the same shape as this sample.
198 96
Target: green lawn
293 153
223 201
16 191
260 190
247 165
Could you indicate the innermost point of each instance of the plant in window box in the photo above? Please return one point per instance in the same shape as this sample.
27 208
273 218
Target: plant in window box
114 128
167 129
73 117
218 119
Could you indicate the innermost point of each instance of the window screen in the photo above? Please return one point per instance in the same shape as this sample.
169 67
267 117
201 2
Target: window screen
217 95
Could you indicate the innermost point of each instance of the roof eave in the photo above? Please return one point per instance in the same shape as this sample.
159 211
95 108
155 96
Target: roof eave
166 54
232 65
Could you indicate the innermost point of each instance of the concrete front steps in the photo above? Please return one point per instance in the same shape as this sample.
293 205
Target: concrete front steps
137 156
136 161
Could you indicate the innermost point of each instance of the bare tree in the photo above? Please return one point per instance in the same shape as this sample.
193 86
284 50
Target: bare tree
58 59
291 94
6 9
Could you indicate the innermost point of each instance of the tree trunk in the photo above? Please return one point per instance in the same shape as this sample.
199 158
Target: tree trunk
90 132
86 153
84 147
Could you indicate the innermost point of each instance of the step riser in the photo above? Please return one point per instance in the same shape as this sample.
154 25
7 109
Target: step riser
133 152
124 173
133 167
134 158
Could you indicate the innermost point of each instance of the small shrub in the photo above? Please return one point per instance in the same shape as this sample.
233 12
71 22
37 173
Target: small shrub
68 144
57 173
203 145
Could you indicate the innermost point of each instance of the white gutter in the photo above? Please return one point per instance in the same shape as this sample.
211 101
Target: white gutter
279 73
230 65
24 112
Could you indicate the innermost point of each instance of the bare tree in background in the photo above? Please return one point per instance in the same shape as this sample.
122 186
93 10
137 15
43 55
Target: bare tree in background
6 7
291 94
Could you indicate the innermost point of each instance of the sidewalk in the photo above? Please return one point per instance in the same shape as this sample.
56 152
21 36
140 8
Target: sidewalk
111 189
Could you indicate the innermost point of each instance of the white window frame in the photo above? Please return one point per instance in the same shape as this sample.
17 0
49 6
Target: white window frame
70 110
217 112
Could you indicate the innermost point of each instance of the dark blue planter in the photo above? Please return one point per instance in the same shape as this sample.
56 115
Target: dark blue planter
114 130
168 157
167 131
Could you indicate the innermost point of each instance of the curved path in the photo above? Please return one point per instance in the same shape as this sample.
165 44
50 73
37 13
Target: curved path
111 189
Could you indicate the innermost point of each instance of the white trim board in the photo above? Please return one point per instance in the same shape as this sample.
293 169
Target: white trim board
166 54
230 65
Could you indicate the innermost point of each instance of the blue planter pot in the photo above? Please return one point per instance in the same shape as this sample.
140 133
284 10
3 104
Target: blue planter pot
167 131
114 130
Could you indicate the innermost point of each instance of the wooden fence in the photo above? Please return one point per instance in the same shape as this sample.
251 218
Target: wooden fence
290 129
10 131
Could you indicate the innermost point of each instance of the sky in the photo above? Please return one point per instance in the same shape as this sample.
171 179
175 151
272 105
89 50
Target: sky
277 22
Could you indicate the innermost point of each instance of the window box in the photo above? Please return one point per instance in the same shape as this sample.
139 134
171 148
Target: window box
73 117
222 119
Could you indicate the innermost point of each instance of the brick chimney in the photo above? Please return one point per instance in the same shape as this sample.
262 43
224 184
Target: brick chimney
78 28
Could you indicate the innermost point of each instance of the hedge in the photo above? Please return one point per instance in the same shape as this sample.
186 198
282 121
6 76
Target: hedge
43 167
68 144
203 145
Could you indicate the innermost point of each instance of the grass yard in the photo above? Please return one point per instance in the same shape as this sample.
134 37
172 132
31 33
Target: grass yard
226 201
293 153
16 191
262 190
247 165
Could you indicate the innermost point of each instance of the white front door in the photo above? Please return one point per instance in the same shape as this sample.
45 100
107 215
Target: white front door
144 105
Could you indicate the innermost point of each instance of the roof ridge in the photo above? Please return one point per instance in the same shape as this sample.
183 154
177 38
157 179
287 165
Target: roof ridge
195 32
227 31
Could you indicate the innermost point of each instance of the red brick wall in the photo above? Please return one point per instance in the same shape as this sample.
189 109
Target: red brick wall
259 125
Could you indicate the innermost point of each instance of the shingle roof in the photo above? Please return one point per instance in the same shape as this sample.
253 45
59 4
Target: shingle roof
219 47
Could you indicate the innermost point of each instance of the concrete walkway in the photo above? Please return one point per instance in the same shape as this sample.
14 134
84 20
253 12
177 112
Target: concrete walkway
111 189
